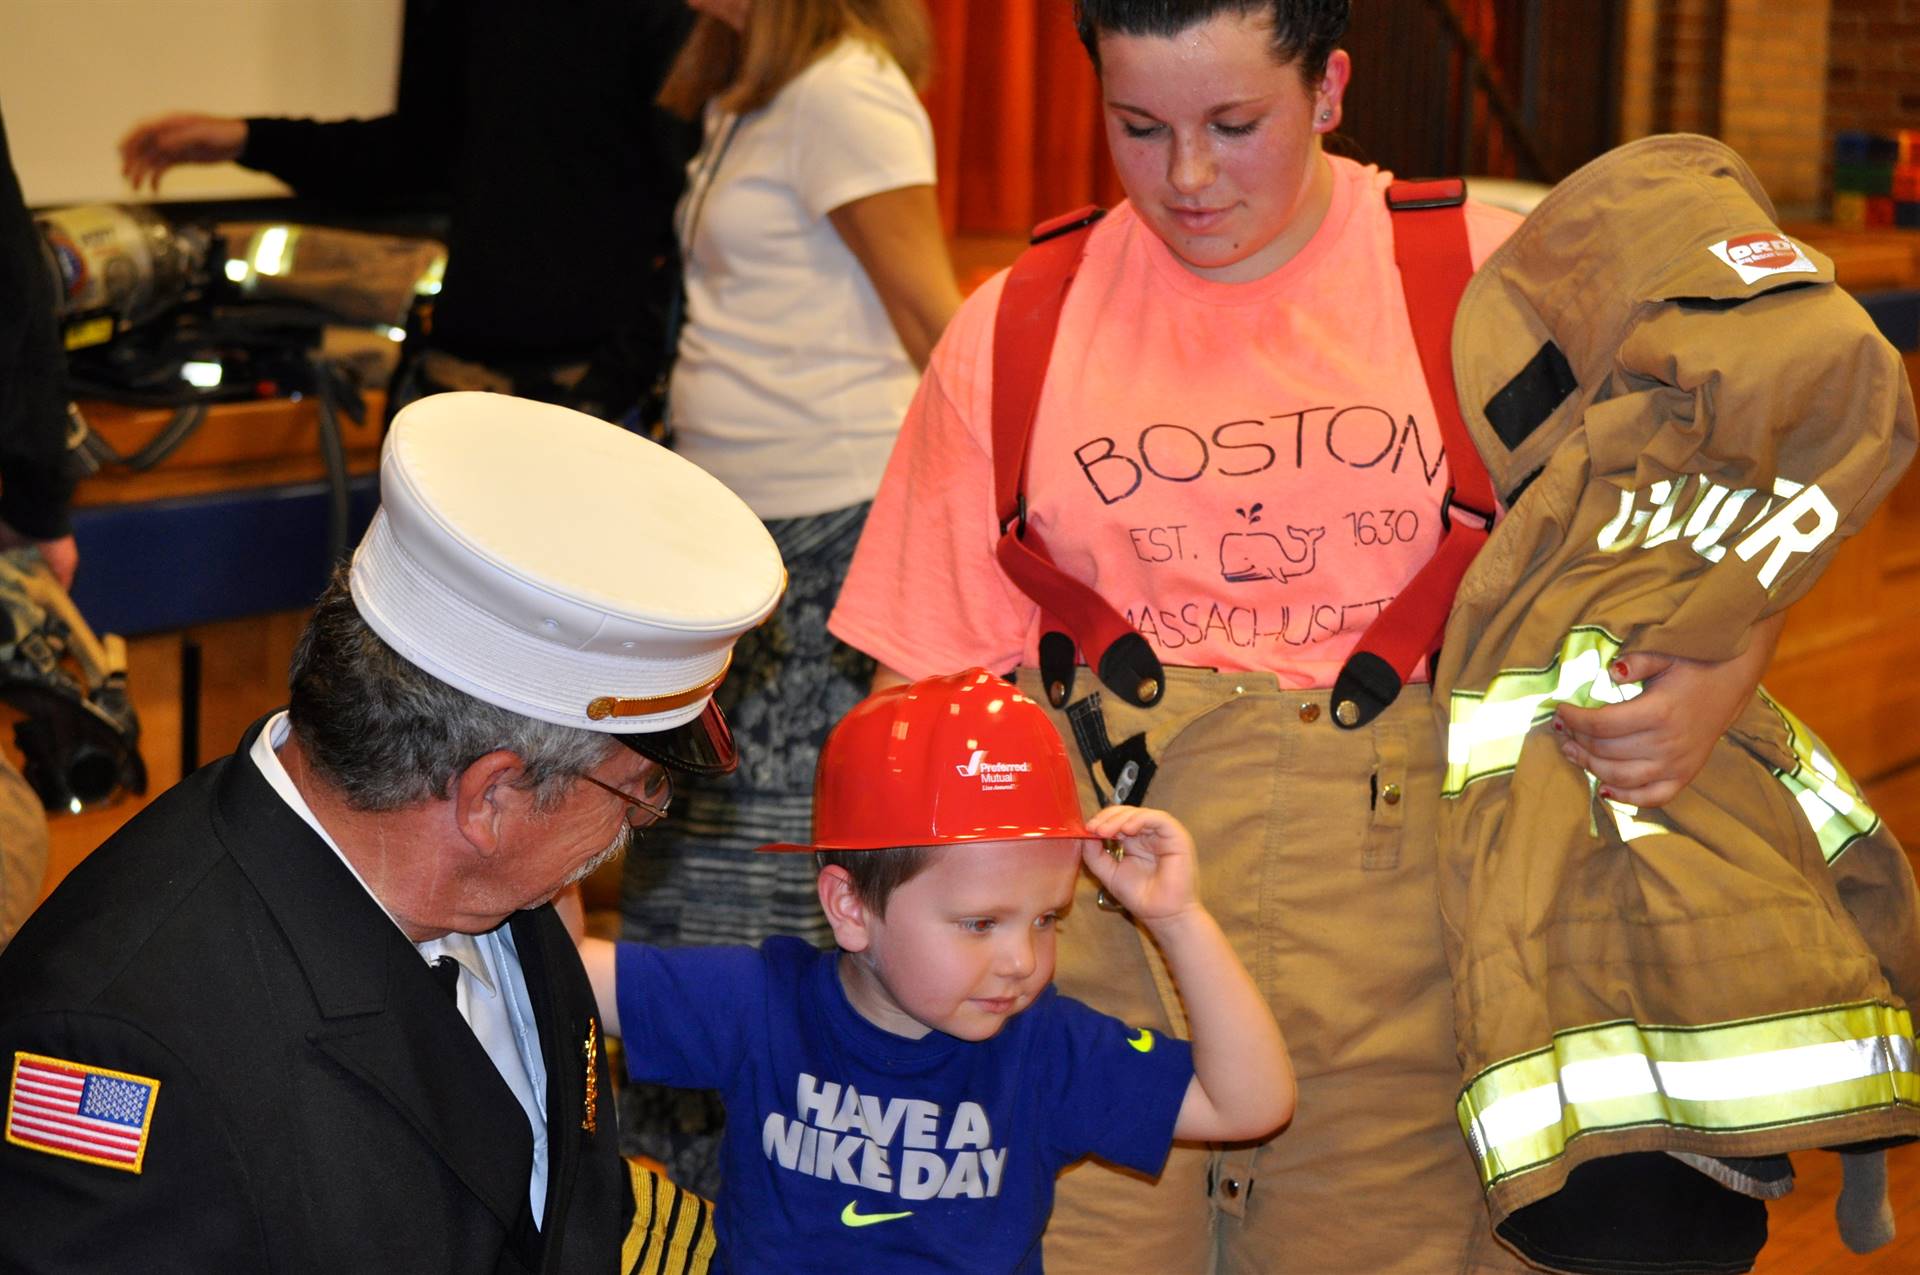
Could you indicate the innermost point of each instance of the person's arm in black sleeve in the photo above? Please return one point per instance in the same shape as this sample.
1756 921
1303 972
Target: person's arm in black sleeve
405 156
353 162
36 484
349 161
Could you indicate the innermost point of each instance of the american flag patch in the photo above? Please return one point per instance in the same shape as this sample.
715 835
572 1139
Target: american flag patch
81 1112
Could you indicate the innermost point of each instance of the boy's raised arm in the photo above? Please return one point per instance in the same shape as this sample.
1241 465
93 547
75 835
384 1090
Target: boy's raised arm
1243 1085
596 954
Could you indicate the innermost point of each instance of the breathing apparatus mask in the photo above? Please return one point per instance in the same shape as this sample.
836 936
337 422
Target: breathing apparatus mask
113 270
177 315
180 315
80 737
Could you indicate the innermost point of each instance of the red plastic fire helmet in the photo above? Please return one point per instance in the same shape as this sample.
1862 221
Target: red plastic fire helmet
964 757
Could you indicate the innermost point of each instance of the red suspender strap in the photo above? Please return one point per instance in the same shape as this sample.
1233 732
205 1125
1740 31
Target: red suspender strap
1430 247
1023 332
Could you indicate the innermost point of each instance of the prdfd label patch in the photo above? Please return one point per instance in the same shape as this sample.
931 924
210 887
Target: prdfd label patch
1763 254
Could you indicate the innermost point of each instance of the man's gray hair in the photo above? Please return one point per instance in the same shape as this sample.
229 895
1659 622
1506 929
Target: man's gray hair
387 734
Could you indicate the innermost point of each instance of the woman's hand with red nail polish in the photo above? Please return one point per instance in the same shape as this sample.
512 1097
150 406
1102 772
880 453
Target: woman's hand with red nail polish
1647 749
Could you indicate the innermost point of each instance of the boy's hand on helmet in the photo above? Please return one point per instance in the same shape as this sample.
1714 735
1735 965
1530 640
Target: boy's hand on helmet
1149 868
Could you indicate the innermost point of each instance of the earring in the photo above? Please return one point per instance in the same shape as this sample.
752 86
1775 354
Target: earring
1325 116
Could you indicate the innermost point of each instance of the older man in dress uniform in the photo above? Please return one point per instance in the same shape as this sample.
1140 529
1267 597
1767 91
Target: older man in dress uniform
311 1010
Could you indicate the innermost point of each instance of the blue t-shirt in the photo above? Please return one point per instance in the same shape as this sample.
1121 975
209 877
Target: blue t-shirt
849 1148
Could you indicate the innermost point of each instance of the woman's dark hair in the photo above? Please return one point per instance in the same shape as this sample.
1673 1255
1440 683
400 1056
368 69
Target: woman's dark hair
1305 32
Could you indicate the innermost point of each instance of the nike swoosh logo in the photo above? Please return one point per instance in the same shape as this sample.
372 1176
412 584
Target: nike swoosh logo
1142 1041
852 1216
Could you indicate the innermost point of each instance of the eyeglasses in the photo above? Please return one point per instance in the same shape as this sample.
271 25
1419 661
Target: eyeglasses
654 802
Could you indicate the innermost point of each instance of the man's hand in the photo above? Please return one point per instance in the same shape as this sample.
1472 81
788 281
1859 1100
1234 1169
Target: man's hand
153 146
1152 875
1646 750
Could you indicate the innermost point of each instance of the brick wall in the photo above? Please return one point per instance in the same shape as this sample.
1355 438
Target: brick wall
1687 65
1773 98
1670 67
1748 72
1873 78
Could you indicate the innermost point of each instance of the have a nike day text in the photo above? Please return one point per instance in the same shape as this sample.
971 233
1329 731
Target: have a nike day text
840 1133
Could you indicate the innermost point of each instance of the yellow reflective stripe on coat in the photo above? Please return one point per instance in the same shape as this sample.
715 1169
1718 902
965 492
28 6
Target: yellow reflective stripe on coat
1520 1114
1833 804
1486 729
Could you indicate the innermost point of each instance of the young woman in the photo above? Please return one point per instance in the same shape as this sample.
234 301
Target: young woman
817 282
1232 391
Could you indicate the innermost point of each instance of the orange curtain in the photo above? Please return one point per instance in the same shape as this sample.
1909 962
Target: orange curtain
1016 118
1483 23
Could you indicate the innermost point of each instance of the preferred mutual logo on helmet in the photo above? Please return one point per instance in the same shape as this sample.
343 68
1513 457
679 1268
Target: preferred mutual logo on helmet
949 759
994 776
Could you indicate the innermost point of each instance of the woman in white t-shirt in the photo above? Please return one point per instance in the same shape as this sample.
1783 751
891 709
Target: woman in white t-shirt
817 281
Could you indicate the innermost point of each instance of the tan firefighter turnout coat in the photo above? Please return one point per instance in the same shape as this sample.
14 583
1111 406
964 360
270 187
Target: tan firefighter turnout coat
1686 416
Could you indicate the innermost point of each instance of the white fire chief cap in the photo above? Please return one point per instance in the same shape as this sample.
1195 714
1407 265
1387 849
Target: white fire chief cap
555 565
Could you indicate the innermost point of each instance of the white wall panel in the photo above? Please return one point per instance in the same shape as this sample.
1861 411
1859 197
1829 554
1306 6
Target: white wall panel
74 74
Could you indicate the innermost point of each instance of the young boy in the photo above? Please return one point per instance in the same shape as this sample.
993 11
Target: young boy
903 1104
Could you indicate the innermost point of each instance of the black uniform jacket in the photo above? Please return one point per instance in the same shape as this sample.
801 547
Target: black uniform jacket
321 1104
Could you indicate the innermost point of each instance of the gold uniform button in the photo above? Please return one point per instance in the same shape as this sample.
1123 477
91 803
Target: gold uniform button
1391 794
1309 712
1347 713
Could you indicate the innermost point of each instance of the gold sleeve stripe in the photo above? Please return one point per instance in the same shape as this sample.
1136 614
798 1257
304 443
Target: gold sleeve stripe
672 1231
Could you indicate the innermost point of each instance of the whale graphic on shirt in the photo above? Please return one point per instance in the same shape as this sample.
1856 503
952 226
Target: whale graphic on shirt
1261 555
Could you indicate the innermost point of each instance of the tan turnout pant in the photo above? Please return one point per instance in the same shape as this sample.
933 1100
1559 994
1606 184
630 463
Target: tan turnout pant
1316 853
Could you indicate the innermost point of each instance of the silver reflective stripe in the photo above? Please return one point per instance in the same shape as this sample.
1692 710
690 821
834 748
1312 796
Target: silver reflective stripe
1520 1114
1785 1070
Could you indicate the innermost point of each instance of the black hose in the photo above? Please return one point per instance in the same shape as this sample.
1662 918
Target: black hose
162 445
333 451
168 440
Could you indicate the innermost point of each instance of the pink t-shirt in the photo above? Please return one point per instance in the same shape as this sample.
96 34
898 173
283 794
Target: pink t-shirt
1248 472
